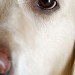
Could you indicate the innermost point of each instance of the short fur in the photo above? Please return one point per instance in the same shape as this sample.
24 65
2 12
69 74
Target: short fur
40 41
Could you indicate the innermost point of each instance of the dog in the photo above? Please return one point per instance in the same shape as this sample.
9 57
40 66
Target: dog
39 35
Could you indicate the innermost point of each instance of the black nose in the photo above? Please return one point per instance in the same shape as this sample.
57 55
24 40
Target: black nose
5 61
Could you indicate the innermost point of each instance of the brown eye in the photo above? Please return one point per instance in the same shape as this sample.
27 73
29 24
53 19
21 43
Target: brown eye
47 4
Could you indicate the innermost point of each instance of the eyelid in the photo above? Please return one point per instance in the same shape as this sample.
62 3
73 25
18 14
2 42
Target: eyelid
32 5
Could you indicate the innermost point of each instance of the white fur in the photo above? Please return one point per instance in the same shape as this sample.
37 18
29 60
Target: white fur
40 43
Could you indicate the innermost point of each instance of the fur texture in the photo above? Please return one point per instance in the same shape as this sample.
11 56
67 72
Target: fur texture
40 41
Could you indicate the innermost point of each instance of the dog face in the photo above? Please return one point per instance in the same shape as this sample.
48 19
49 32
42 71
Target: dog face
40 38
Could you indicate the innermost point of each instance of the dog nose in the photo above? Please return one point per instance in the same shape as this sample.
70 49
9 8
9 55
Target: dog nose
5 61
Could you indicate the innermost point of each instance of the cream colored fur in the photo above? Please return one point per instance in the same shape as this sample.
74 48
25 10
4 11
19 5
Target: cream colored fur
40 42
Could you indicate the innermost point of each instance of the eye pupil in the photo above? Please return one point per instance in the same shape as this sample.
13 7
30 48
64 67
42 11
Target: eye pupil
46 3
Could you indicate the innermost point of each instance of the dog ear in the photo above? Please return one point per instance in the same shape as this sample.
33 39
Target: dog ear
74 60
74 68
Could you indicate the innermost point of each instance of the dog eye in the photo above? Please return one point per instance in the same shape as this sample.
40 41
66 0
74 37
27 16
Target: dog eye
47 4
